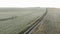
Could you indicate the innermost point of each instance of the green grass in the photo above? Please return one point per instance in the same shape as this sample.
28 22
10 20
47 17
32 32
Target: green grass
23 20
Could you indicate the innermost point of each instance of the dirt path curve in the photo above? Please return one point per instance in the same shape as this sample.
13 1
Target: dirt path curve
50 24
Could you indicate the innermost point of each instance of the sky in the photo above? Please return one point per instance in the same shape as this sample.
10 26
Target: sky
30 3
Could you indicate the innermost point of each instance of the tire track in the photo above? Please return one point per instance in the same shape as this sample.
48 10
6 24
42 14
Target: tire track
35 24
8 18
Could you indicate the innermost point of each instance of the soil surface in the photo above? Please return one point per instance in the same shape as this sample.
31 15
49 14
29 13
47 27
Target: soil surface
50 24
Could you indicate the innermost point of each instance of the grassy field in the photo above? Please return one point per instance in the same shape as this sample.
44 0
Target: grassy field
13 21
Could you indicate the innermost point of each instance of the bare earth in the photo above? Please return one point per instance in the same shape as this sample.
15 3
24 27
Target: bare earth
50 24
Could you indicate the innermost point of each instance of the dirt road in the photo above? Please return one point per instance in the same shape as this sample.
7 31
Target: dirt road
50 24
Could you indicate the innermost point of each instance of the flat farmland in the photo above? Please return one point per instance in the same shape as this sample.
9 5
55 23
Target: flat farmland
13 21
